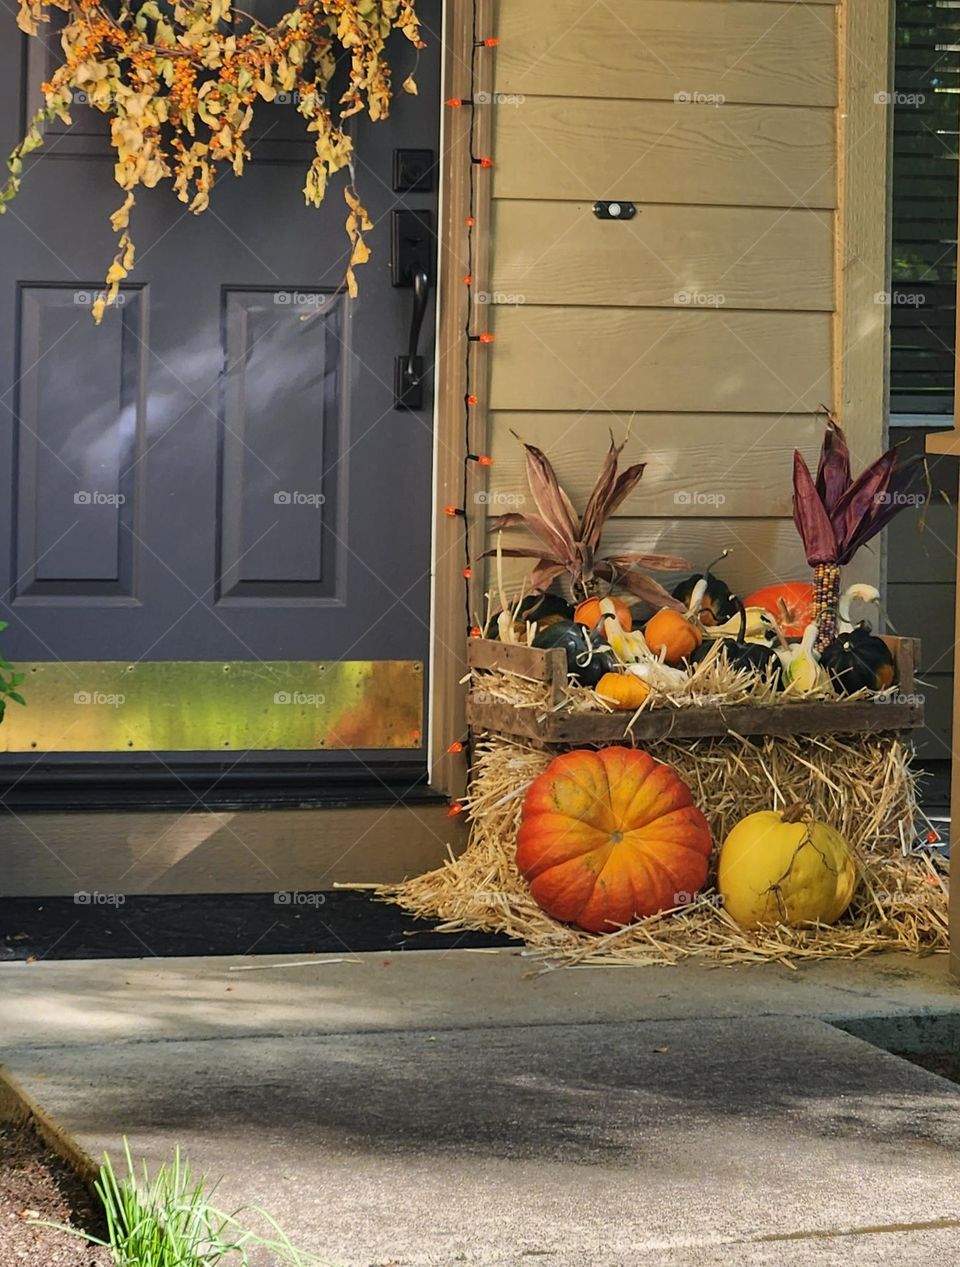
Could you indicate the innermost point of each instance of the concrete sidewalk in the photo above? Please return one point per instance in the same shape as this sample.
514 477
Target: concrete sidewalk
449 1107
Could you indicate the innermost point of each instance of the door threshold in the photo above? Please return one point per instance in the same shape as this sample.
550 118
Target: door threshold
184 786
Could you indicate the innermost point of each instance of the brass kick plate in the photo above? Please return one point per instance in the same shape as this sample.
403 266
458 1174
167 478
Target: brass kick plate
205 705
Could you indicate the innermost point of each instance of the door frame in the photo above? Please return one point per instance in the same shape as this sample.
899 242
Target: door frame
193 847
463 22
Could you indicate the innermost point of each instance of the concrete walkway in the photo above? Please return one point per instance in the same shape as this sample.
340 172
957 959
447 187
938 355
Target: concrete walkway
449 1107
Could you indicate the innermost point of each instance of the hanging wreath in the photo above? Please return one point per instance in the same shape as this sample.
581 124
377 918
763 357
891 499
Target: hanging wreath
180 83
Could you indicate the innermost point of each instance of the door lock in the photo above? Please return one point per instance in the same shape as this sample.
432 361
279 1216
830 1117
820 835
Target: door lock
413 171
411 245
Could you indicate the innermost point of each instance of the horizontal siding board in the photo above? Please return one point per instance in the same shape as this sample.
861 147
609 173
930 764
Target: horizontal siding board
758 156
651 359
559 252
653 49
728 464
761 550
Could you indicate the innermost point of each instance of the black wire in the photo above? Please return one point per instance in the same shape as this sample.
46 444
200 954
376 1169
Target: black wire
468 392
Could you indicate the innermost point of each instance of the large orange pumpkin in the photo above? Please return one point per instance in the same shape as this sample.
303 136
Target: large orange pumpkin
611 836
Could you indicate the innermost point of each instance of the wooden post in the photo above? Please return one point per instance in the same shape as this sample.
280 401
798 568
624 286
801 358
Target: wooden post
449 620
860 343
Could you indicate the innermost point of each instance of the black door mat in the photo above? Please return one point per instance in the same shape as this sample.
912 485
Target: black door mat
143 927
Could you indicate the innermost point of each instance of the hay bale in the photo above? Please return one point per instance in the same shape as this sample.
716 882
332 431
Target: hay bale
864 786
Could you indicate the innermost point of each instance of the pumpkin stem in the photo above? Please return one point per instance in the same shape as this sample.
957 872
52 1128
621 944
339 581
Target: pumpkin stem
796 813
719 559
742 631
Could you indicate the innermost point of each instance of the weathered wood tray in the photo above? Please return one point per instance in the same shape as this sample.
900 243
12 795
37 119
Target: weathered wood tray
554 725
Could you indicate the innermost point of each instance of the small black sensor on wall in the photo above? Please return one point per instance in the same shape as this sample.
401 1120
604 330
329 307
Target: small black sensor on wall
606 210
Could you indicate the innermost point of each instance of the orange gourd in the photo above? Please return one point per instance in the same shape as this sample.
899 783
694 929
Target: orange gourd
674 634
623 690
609 837
789 602
590 613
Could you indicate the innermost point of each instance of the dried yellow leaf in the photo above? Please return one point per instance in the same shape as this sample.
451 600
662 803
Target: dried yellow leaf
179 83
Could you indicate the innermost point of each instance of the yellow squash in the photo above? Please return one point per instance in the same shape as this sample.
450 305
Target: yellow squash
785 868
622 690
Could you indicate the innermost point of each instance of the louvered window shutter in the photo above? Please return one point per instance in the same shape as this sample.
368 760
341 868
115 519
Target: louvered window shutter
924 275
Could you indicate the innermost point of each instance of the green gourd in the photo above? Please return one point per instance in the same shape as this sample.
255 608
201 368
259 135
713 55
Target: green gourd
719 603
545 609
741 654
587 657
858 659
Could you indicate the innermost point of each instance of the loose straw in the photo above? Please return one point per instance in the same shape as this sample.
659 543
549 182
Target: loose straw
862 785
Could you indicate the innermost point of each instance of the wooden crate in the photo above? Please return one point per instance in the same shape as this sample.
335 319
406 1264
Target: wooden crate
554 726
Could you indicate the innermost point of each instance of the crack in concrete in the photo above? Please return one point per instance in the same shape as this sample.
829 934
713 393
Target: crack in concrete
875 1229
803 1234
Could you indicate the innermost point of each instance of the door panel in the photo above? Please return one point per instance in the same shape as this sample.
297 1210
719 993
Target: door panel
79 422
217 471
283 397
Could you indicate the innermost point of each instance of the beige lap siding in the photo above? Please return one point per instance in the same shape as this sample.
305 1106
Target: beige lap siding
656 48
718 316
758 257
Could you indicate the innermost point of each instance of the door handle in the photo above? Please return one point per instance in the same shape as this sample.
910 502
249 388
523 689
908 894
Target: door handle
408 370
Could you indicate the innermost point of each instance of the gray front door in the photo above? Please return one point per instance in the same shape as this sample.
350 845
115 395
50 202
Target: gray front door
217 472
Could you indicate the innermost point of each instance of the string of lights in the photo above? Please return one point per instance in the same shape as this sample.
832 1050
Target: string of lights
472 338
